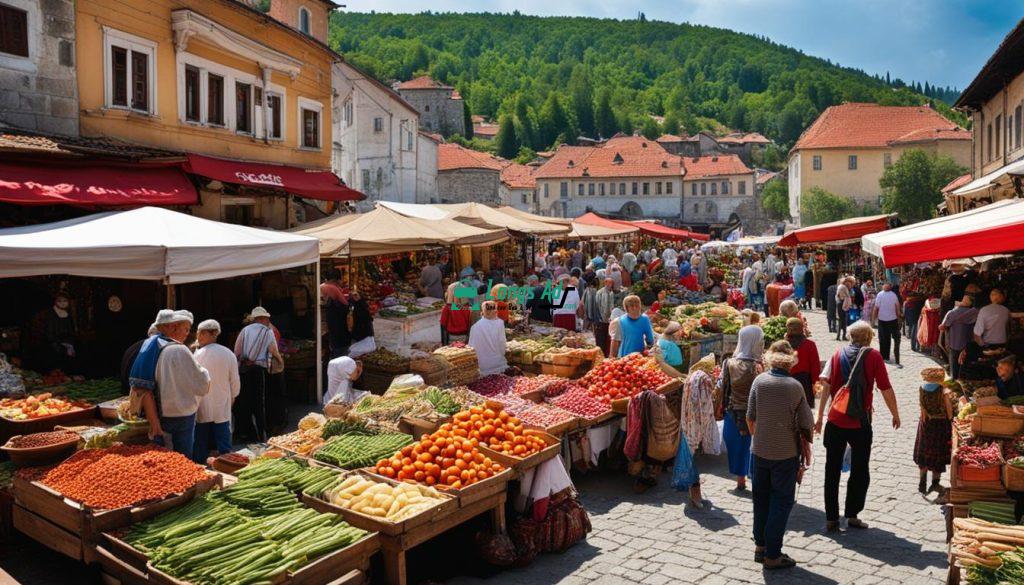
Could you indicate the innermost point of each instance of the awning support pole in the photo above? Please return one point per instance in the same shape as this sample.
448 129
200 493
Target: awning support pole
319 341
170 295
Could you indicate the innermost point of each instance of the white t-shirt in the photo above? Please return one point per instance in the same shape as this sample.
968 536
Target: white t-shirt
991 324
888 305
572 302
338 383
222 365
487 337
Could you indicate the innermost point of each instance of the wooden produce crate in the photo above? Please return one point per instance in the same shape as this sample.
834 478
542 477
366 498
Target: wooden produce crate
417 427
73 529
1005 427
374 524
967 477
521 464
10 428
468 495
598 420
1013 478
621 405
574 371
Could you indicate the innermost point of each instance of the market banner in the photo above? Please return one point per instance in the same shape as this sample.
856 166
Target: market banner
94 185
310 183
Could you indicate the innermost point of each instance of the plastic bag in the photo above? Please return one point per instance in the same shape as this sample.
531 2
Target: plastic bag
846 460
684 473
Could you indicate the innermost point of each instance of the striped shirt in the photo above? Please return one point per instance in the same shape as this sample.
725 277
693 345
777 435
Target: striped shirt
778 407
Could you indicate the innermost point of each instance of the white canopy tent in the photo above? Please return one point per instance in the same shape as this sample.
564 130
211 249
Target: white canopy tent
152 243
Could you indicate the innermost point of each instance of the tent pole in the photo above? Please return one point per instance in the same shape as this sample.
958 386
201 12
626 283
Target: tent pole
170 296
319 341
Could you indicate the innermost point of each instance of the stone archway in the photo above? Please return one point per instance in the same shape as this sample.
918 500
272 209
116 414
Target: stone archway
632 210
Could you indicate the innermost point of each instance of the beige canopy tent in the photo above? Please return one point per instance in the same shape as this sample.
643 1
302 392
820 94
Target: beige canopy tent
476 215
580 231
534 217
384 231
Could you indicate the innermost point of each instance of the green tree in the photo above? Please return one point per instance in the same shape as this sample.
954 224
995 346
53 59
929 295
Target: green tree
820 206
525 155
554 121
604 117
650 129
507 143
775 199
912 186
467 119
583 100
526 125
671 124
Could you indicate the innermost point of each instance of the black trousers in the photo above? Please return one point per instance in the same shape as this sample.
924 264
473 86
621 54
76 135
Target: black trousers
836 439
889 335
250 408
842 318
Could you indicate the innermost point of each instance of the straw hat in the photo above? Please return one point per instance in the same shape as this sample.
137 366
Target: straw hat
780 355
933 375
705 364
259 312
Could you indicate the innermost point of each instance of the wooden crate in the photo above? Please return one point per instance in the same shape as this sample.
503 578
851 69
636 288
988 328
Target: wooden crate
598 420
572 372
1013 478
10 428
468 495
621 406
1005 427
374 524
520 464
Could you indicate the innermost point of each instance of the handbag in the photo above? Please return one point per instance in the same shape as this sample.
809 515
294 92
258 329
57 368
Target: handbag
845 400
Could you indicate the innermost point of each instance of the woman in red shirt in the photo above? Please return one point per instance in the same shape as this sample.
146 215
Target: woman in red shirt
455 321
843 430
808 365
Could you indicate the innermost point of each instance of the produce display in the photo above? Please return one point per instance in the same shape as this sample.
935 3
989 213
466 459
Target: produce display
11 384
623 377
7 470
982 457
447 457
42 439
525 349
337 426
463 366
1001 512
250 532
385 360
37 406
569 353
992 553
301 441
493 384
444 402
774 329
92 391
295 475
497 430
556 386
393 503
545 416
354 451
122 475
579 402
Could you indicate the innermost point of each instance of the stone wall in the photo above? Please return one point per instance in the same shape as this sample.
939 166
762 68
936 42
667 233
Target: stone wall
465 185
438 112
40 92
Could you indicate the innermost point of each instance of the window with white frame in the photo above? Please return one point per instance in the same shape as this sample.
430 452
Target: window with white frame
348 112
275 104
211 94
128 73
310 123
304 18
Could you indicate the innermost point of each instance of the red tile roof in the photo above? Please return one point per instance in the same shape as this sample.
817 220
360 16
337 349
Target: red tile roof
477 119
957 183
455 95
744 138
452 157
765 177
931 134
517 176
423 82
621 156
19 141
433 136
484 129
714 166
859 125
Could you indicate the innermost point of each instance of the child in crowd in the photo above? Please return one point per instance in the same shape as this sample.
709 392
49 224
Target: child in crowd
932 448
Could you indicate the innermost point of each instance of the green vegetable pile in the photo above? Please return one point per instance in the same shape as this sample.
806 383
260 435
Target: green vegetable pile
93 391
338 426
1001 512
355 451
1014 400
1011 570
442 402
6 474
249 533
290 473
774 329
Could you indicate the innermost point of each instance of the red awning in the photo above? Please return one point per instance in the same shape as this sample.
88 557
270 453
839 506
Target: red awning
312 184
836 231
94 184
651 229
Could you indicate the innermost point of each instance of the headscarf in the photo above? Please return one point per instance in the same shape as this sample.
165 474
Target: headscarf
684 269
629 261
749 343
466 272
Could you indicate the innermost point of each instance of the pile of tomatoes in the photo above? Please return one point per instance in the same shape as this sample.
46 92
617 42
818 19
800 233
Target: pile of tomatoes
448 457
623 377
498 430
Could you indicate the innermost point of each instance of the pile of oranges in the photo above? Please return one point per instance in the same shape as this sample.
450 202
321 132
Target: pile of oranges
497 430
445 458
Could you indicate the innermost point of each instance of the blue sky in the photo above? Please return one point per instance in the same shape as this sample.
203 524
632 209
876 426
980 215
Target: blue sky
924 40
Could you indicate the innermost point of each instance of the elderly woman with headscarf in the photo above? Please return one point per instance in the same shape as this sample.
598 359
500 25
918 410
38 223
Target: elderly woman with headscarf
628 261
738 373
687 278
698 416
456 315
614 272
808 364
780 421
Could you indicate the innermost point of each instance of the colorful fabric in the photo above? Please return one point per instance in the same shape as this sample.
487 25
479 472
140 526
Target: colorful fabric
698 417
932 446
736 445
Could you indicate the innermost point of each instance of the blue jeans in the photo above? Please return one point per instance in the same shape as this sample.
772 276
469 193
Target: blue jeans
774 493
182 430
221 440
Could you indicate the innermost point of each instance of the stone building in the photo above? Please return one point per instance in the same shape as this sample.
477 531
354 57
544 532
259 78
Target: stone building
742 144
518 186
377 145
440 106
465 175
38 84
716 187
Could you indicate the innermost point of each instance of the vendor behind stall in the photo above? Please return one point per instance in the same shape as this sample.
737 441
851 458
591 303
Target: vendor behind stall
487 337
341 373
60 333
992 326
430 284
362 326
336 310
1009 381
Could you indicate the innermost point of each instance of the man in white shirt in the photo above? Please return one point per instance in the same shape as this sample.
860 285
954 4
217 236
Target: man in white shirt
213 418
256 350
888 312
993 321
487 337
341 373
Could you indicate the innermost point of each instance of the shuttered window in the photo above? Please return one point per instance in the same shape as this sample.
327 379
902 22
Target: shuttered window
13 31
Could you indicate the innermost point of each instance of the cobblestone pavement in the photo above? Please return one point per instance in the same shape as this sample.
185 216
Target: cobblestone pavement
654 538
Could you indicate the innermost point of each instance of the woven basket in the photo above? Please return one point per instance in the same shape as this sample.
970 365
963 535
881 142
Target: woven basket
1013 478
997 426
376 382
433 370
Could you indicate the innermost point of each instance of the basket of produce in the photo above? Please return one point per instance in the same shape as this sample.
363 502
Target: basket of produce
543 445
39 412
433 370
988 425
91 391
384 505
976 465
376 382
385 360
230 463
41 448
1013 474
351 451
463 366
578 401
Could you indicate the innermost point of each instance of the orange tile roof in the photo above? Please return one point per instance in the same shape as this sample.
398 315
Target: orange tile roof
477 119
485 129
455 95
621 156
930 134
765 177
433 136
957 183
667 138
858 125
451 156
423 82
517 176
744 138
714 166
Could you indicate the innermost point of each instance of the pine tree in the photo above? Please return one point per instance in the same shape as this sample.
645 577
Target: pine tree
582 100
467 120
604 117
553 121
650 129
508 145
526 125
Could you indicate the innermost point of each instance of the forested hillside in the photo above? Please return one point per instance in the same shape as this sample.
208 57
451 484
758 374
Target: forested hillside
553 78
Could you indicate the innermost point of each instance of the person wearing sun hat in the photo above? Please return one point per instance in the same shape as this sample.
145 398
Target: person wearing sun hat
698 417
256 350
932 446
781 422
